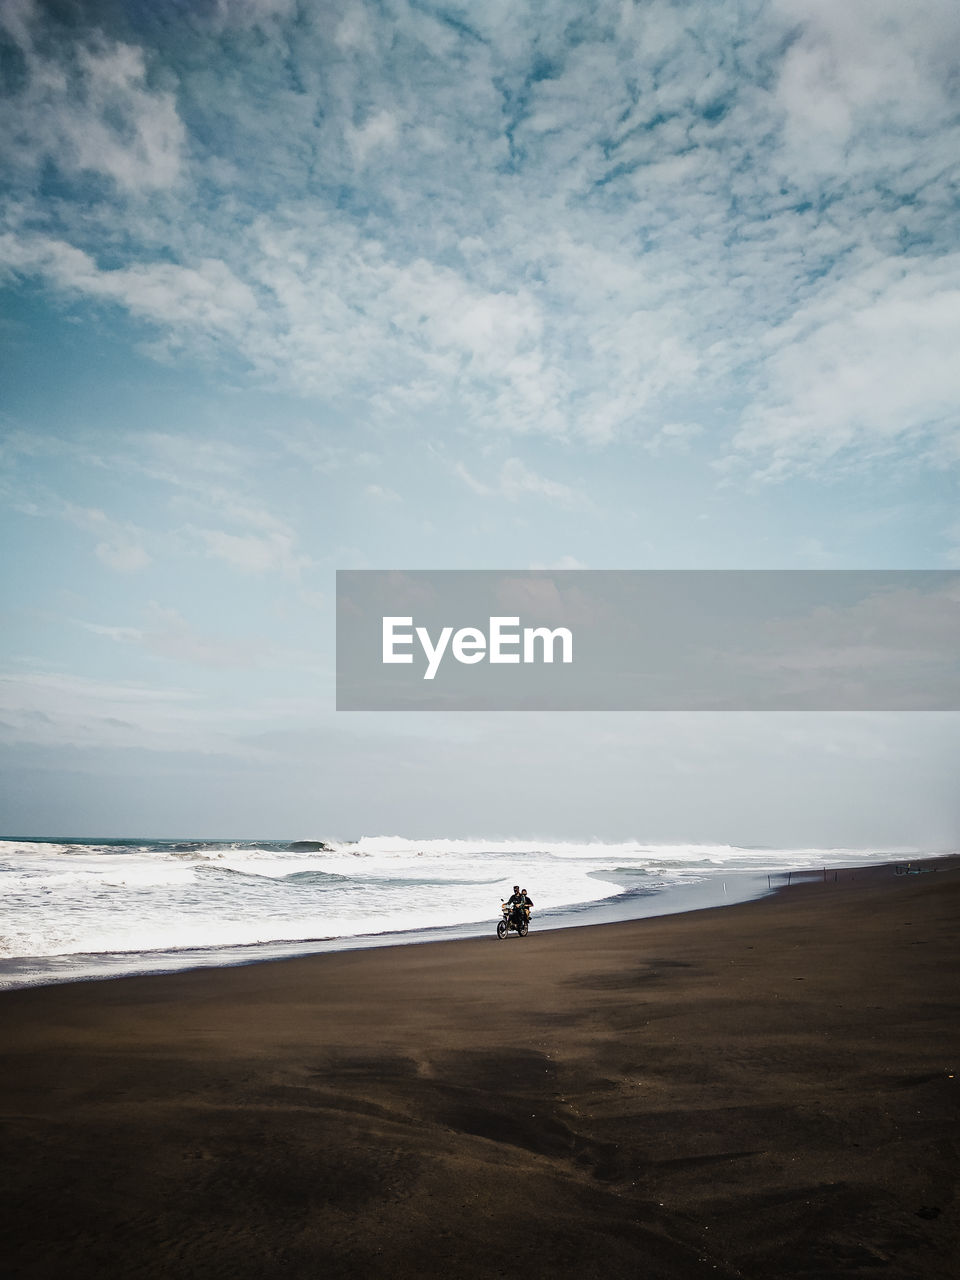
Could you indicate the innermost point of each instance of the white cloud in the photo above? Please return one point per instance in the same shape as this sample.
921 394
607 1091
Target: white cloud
530 232
121 545
355 30
564 562
58 709
123 557
382 493
207 479
860 68
674 437
871 364
471 481
205 299
381 130
253 553
122 635
90 110
167 634
517 481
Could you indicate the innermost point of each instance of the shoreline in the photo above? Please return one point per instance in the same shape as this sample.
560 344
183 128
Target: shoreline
20 973
769 1089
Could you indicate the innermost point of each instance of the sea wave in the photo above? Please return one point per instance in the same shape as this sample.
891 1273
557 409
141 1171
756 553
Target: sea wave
63 898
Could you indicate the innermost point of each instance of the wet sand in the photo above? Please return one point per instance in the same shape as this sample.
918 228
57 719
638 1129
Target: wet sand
764 1090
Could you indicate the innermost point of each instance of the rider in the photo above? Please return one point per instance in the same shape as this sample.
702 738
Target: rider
516 903
526 902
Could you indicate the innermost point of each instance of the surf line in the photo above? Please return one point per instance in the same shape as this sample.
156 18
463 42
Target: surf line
502 642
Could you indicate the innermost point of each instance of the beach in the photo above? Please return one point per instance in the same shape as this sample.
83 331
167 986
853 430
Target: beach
767 1089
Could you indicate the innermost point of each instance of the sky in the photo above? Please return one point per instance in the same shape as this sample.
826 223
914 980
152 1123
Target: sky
291 287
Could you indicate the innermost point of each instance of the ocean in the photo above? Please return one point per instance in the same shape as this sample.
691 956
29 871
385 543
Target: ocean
75 909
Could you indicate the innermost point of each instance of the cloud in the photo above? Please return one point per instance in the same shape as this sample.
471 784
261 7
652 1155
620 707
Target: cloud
381 493
478 487
870 365
121 546
88 108
205 299
381 130
123 557
509 223
253 553
59 709
208 480
564 562
167 634
862 69
674 437
516 481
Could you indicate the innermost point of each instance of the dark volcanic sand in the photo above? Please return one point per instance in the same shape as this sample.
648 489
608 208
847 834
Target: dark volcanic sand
767 1090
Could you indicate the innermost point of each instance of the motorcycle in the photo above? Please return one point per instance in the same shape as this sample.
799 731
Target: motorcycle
515 919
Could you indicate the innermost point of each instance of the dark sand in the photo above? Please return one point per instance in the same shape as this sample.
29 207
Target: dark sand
767 1090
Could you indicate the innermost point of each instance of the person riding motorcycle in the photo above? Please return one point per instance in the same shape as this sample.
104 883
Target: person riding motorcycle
516 902
520 903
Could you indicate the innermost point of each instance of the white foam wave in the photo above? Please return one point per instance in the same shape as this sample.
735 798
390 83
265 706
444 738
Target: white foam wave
70 898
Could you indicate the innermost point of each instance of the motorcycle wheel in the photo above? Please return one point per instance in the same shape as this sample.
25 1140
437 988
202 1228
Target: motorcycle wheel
502 929
523 929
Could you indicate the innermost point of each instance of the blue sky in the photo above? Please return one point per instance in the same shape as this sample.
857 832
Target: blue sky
291 287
